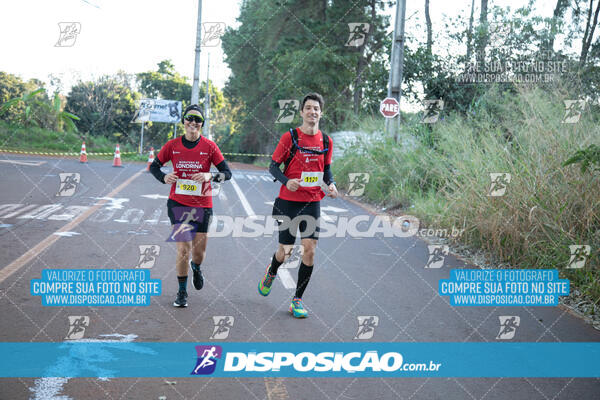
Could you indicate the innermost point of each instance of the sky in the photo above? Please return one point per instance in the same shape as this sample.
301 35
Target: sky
134 35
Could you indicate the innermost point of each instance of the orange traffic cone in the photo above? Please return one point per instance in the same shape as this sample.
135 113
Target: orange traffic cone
150 158
83 154
117 159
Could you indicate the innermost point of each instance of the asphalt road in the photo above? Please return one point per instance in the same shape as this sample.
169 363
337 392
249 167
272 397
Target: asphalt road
353 277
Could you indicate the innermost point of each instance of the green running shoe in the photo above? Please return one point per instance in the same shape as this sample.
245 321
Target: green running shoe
297 308
264 286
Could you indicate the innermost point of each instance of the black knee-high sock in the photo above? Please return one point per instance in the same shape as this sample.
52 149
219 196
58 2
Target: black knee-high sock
182 283
303 277
274 265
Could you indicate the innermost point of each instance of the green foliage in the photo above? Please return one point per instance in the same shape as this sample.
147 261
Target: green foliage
53 114
546 207
281 53
105 106
589 158
166 83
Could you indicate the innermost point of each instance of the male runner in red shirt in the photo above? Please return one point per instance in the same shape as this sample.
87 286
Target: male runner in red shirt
300 195
190 200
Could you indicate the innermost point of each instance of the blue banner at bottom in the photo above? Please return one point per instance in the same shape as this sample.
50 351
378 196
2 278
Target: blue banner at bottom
129 359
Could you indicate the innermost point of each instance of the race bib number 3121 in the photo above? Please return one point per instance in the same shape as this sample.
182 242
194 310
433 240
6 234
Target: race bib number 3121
311 179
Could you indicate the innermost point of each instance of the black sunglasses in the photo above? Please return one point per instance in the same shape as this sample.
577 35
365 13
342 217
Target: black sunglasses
194 118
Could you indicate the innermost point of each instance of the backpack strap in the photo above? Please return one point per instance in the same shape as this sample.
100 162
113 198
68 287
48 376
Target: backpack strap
325 144
293 149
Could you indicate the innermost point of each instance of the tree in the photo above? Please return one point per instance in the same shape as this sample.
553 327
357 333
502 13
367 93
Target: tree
482 33
105 106
470 33
279 53
166 83
590 26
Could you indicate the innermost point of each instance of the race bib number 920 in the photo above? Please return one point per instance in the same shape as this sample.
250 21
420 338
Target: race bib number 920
188 187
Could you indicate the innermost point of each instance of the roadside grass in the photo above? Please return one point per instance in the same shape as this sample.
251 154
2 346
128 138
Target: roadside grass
443 178
35 139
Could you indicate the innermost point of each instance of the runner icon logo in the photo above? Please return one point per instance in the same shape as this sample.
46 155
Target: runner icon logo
188 219
212 33
68 34
223 324
295 256
358 33
357 183
287 111
366 326
148 254
500 181
437 254
432 111
579 255
77 325
207 359
573 111
68 183
508 326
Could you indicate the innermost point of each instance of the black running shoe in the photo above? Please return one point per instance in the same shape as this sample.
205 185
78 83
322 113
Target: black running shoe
181 300
198 279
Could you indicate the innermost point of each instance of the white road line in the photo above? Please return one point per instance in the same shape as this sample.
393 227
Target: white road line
28 163
286 278
26 208
243 199
326 217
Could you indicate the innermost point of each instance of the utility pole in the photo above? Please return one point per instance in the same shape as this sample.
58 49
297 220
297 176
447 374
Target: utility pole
207 104
397 64
196 83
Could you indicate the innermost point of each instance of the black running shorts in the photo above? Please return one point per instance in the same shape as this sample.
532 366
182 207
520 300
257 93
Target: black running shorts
294 215
198 217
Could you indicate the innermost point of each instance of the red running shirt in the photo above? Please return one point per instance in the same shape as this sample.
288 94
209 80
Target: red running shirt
306 162
187 162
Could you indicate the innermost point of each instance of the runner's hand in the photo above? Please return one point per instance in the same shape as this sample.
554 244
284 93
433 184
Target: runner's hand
202 177
170 178
333 192
293 184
